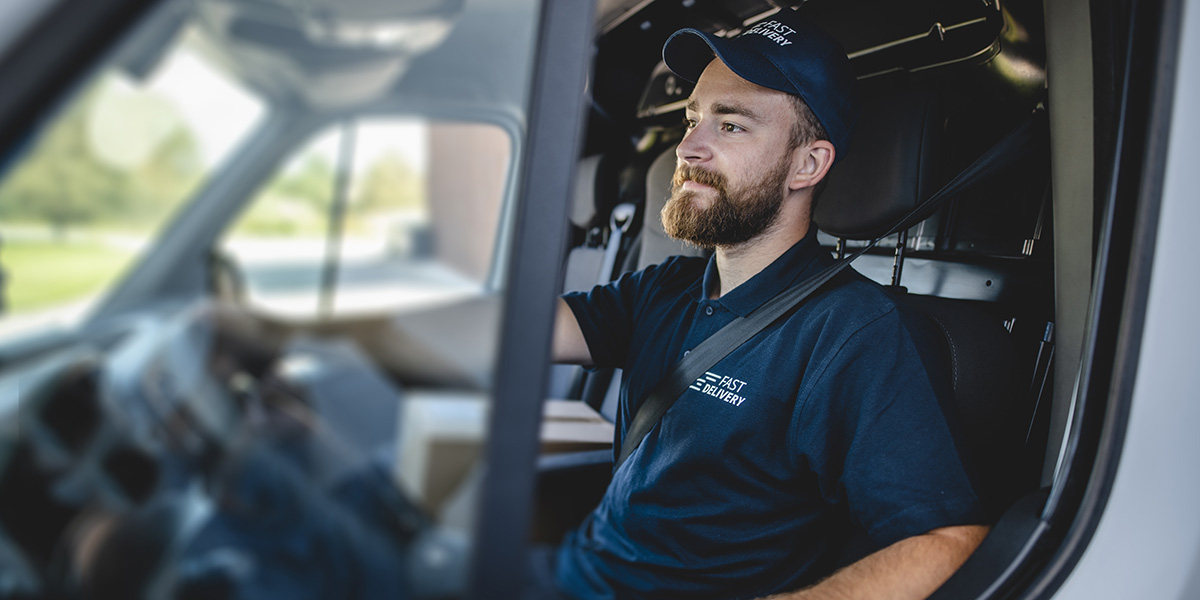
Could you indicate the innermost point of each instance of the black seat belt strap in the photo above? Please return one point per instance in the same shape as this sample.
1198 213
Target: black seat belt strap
708 353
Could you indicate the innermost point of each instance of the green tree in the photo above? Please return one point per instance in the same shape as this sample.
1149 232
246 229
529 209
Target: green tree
170 174
60 181
64 183
310 182
390 183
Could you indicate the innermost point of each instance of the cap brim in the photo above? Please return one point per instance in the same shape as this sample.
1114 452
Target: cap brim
688 51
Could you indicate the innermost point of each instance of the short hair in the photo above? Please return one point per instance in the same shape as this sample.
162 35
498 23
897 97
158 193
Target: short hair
805 129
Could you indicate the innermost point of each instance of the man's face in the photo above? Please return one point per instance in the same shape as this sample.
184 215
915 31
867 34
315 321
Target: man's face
731 217
734 163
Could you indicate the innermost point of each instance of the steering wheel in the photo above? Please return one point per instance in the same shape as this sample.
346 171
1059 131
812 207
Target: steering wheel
180 466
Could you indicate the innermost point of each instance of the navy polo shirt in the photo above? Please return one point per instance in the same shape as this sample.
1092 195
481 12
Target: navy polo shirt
825 424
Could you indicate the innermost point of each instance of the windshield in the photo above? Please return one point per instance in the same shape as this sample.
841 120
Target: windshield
278 235
103 176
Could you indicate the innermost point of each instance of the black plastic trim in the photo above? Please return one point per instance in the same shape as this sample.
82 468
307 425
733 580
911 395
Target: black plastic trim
1029 556
575 460
1125 253
499 565
1013 540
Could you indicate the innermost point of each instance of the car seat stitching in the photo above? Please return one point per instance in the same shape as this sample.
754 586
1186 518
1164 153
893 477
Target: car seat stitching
953 351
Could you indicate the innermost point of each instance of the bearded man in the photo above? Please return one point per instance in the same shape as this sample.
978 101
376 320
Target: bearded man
814 461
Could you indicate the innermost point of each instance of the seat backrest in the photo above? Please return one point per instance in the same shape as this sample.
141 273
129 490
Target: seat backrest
592 200
982 362
595 195
654 244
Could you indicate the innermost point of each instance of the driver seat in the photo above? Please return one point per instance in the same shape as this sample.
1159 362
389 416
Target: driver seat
894 163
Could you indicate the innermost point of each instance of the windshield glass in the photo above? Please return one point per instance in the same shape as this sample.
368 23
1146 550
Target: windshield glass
278 234
101 179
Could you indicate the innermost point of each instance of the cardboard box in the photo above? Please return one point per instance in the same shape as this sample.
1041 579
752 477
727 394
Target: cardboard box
572 426
440 435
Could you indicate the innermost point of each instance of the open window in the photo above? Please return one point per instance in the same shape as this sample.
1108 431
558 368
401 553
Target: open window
375 216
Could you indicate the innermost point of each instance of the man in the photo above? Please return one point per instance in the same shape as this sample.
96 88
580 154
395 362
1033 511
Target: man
818 443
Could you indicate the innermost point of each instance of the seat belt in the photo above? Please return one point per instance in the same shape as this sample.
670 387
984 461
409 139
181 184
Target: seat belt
708 353
618 226
619 223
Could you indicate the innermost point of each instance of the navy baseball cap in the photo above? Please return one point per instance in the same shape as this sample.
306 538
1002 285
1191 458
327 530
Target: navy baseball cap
784 52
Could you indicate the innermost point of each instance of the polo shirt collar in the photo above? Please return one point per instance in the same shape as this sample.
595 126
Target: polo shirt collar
796 264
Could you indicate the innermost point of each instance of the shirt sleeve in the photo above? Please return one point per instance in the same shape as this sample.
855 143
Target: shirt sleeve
607 314
874 430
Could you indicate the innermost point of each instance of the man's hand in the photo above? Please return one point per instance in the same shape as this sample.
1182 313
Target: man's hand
240 339
910 569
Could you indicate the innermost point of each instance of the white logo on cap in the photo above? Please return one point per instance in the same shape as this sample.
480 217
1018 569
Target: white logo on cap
772 30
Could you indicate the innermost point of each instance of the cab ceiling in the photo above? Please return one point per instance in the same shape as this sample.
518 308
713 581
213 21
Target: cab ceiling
333 54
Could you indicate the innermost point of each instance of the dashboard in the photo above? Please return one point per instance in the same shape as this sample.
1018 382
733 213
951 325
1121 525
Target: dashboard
176 462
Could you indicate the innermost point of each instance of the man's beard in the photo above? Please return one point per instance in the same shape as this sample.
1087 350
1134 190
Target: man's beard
734 217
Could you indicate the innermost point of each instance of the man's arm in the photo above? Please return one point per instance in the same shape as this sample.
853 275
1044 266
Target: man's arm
569 345
909 569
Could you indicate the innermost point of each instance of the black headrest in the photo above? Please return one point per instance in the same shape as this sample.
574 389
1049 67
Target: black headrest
892 165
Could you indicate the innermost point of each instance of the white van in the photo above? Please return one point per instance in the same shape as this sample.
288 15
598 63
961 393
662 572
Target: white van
399 191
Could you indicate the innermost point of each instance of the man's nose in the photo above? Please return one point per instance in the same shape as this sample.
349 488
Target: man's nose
695 147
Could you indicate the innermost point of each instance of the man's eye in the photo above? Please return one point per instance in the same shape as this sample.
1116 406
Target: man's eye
689 123
731 127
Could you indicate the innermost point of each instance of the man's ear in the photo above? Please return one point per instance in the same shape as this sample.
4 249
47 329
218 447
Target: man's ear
811 163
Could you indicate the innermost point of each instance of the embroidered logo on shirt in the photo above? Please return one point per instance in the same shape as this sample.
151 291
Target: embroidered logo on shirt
726 389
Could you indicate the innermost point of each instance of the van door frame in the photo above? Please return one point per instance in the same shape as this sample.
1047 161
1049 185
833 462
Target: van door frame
500 565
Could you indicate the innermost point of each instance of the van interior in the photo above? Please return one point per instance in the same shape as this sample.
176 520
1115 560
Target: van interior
359 187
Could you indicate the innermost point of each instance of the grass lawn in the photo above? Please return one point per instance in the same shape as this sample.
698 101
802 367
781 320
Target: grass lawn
43 274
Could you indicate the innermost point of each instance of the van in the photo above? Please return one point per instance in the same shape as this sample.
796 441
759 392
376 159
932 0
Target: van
398 191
